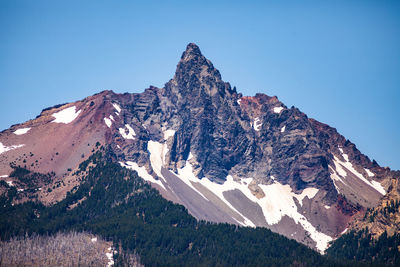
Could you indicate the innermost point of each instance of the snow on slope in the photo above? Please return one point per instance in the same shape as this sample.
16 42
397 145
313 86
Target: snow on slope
157 151
117 107
370 174
187 176
141 172
66 115
131 133
108 122
4 148
257 124
21 131
278 109
277 202
343 166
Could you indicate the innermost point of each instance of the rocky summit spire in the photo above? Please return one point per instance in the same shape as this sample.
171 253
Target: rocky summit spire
195 73
193 62
192 51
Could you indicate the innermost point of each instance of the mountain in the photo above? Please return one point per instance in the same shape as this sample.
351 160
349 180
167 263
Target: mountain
225 157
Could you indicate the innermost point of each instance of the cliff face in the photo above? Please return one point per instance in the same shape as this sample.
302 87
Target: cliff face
226 157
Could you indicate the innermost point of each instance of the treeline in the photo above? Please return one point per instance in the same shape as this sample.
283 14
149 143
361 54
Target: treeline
121 207
360 246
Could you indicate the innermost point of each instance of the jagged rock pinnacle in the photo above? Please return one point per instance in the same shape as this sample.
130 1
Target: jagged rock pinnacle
196 76
192 56
192 50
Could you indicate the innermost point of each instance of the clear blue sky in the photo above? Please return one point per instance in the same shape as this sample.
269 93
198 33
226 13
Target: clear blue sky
338 61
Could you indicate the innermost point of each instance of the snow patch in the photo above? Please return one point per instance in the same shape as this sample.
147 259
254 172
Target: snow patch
377 185
157 156
108 122
112 118
4 148
168 134
309 192
117 107
141 172
131 133
190 156
20 190
370 174
344 231
21 131
94 239
10 183
257 124
186 175
4 176
335 178
283 129
228 185
238 101
278 109
66 115
338 167
279 201
327 207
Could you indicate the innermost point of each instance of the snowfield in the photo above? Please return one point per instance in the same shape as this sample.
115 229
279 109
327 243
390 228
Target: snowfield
21 131
66 115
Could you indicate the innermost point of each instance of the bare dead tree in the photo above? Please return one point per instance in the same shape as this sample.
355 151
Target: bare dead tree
62 249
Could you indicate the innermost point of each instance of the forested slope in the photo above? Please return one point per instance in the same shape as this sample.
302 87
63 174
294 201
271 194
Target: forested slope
118 205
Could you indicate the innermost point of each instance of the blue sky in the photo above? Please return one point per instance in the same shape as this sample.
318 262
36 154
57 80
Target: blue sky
338 61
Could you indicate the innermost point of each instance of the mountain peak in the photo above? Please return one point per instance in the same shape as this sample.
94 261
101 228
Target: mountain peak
192 50
195 74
